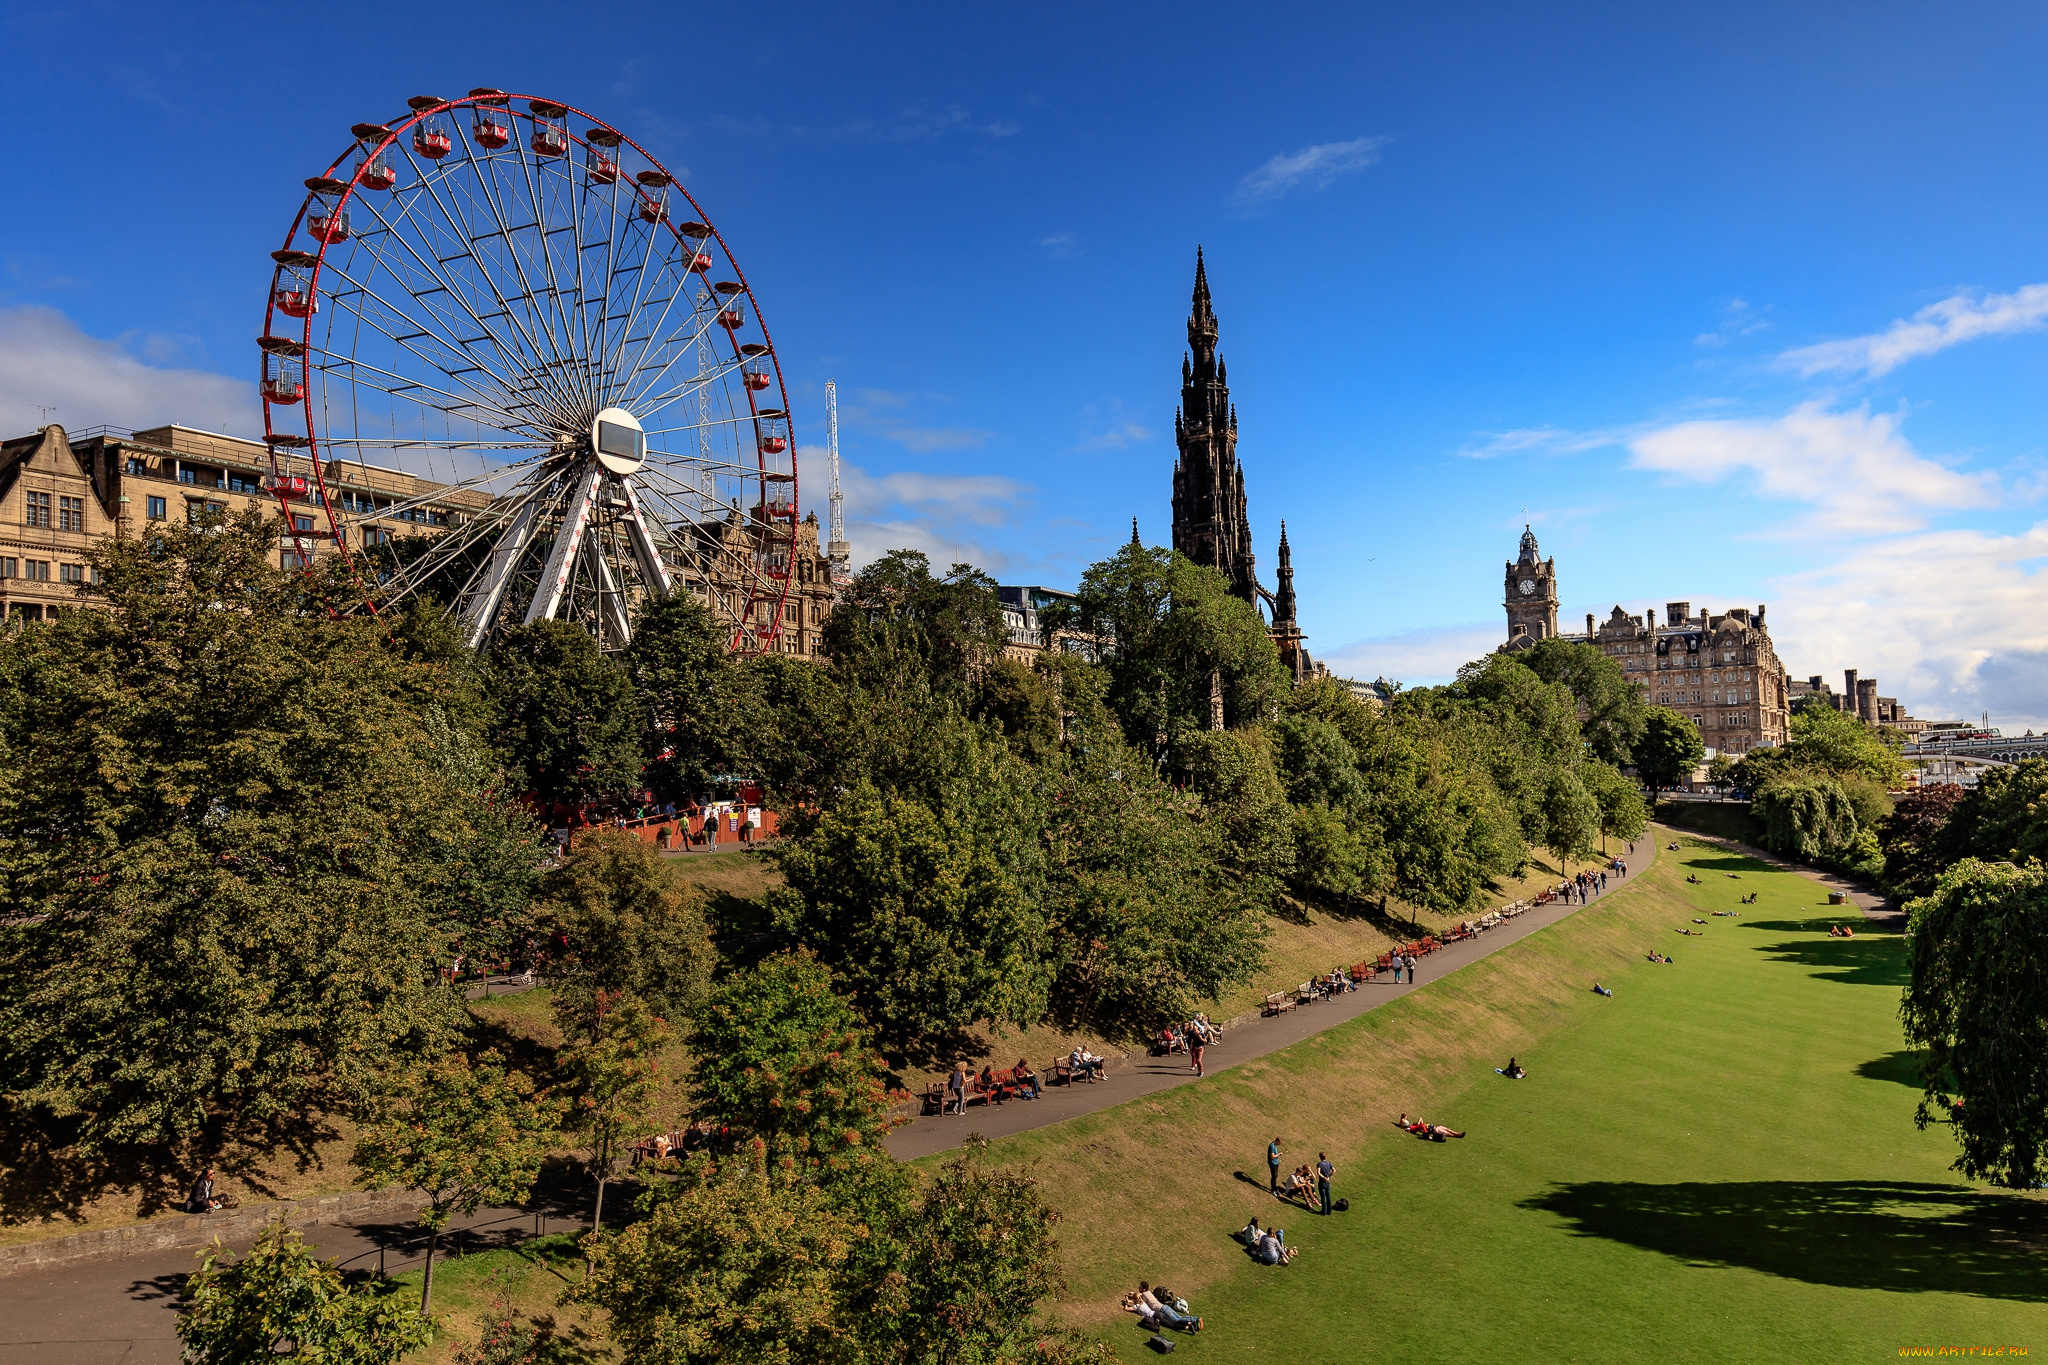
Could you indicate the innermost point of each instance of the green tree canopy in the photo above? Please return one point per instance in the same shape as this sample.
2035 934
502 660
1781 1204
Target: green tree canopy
689 689
1912 839
277 1300
1828 741
2004 817
568 721
1978 1004
461 1134
1571 817
613 920
1669 750
234 852
897 610
613 1080
782 1057
1623 812
1613 713
917 913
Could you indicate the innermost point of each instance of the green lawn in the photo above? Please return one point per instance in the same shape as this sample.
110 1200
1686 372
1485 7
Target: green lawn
1718 1164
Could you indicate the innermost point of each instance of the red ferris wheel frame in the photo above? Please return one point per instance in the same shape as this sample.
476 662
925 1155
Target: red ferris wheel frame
371 143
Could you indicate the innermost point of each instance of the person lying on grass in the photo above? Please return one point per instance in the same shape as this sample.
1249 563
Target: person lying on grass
1154 1313
1690 933
1731 912
1699 921
1658 957
1431 1132
1599 989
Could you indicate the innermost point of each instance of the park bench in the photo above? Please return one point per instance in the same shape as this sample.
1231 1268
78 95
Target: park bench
1361 972
1386 961
1278 1003
935 1097
1062 1071
1305 993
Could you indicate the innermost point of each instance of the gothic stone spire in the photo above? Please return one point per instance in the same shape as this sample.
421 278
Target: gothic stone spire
1209 522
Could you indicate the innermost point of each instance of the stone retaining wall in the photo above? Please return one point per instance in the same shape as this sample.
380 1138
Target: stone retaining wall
198 1229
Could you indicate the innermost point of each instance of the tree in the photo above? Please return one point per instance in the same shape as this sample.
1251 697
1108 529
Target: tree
615 920
1176 626
460 1134
917 913
1144 918
1614 715
613 1080
1571 817
568 721
277 1300
897 608
231 850
2004 817
1623 812
782 1057
1669 750
1978 1004
1912 839
688 685
1805 815
978 1259
1233 772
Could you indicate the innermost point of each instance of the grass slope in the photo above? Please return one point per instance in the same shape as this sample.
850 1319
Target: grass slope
1719 1163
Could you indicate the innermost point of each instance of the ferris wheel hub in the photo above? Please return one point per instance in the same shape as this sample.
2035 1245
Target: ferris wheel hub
618 441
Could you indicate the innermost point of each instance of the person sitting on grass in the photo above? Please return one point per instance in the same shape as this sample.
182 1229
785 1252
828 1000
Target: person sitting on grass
202 1198
1513 1070
1840 931
1249 1234
1694 880
1026 1079
1085 1063
1273 1251
1297 1185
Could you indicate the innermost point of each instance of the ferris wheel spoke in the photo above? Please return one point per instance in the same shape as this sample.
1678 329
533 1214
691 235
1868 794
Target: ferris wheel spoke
639 366
535 325
409 341
528 352
536 172
684 346
349 370
653 403
640 273
443 283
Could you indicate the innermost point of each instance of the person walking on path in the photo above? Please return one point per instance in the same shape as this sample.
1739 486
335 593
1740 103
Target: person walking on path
956 1089
1397 969
1324 1172
1411 969
1198 1038
1273 1167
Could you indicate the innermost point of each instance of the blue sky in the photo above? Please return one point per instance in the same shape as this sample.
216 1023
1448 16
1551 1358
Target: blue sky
1741 303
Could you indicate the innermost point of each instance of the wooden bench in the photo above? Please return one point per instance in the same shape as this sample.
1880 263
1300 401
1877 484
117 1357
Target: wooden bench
935 1097
1305 993
1062 1071
1279 1002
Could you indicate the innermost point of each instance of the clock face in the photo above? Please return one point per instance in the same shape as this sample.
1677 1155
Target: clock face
1528 586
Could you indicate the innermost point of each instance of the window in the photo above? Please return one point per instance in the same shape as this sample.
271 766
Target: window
36 570
243 483
95 573
71 573
376 535
188 476
10 568
159 510
37 510
137 465
294 560
71 514
302 523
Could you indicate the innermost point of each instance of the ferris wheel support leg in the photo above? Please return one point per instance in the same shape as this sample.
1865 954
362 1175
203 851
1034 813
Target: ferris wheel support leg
483 607
611 602
554 581
652 570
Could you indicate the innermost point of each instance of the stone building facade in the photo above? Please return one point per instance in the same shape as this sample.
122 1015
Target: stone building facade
1858 697
1721 671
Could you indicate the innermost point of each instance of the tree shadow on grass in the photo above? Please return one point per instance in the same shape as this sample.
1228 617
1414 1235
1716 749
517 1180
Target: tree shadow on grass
1855 961
1902 1068
1876 1234
1727 862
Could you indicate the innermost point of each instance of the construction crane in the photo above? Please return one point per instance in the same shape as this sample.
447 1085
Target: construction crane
836 549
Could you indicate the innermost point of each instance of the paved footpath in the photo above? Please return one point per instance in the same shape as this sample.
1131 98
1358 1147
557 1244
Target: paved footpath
121 1310
1148 1075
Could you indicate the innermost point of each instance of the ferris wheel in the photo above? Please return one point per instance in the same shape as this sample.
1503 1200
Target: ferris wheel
516 301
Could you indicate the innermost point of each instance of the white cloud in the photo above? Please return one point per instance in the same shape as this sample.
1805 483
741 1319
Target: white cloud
1316 167
1950 622
1738 319
1061 246
1416 657
1855 469
1936 327
1490 445
46 360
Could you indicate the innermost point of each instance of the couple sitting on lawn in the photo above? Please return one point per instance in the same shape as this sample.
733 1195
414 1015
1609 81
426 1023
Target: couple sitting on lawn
1158 1308
1300 1184
1840 931
1429 1132
1268 1245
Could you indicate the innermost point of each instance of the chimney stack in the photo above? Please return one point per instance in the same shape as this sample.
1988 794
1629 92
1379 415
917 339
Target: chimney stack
1589 625
1677 613
1650 615
1866 700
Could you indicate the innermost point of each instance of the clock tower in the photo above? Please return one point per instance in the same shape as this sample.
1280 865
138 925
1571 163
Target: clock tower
1531 593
